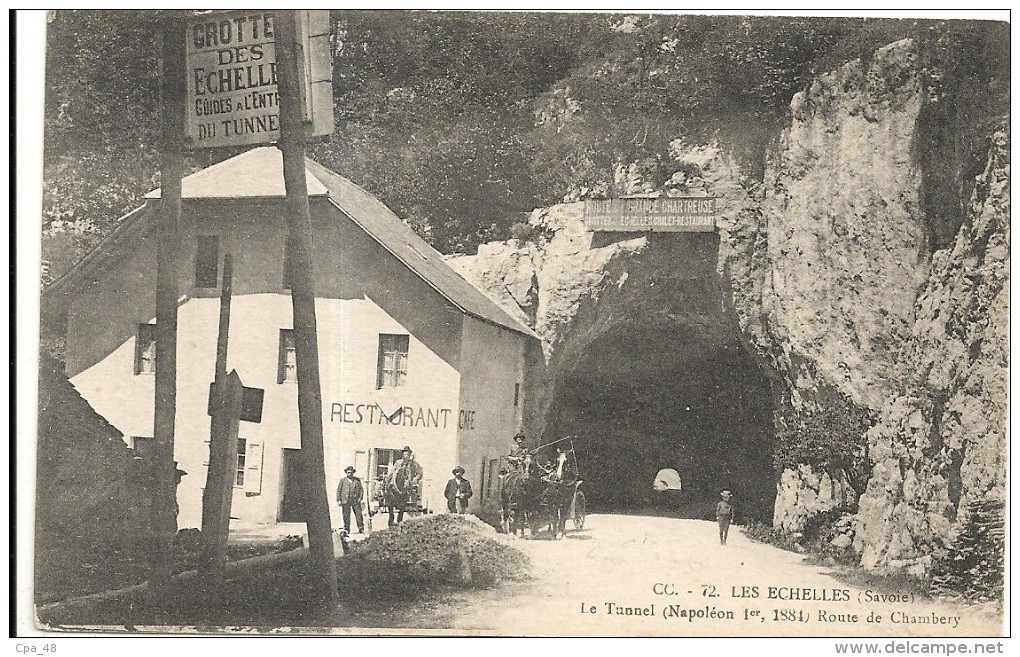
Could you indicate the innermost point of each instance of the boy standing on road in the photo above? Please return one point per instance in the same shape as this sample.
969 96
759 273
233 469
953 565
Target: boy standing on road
724 515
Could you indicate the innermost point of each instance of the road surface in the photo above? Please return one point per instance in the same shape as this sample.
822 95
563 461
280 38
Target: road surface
651 576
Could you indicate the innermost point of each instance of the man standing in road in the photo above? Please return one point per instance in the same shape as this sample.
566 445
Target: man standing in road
724 515
349 495
458 492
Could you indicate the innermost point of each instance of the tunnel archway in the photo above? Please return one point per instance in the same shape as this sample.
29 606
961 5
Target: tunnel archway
651 392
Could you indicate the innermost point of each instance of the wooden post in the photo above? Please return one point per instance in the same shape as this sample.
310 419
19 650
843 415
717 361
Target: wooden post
219 489
226 408
222 336
322 563
164 507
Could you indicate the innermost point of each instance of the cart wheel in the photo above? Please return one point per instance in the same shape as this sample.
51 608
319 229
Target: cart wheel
580 508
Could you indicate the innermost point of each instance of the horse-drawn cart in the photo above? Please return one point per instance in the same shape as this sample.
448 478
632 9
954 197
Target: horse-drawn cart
535 495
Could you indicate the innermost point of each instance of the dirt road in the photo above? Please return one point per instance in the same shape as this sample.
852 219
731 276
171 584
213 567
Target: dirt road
648 576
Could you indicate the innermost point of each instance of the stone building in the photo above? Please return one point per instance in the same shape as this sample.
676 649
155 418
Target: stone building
410 353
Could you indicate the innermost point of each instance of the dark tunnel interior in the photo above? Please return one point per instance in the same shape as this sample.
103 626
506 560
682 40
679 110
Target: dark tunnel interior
652 395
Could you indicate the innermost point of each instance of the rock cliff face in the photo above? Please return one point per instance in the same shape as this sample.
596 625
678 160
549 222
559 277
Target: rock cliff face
819 292
941 440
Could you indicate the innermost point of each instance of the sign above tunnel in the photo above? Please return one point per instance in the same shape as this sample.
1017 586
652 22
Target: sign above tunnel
657 215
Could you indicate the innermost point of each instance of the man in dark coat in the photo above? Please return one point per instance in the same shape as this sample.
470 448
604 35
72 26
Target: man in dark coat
349 495
518 453
458 492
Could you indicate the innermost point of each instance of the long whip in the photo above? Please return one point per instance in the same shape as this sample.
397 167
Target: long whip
560 440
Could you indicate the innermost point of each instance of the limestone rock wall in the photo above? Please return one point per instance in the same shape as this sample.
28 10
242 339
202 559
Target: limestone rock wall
942 440
823 271
804 493
846 239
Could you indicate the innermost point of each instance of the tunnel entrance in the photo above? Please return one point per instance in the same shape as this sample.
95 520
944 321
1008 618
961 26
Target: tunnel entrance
651 393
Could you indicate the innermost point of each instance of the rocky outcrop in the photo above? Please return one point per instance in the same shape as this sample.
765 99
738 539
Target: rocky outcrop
822 273
803 494
846 237
91 490
941 442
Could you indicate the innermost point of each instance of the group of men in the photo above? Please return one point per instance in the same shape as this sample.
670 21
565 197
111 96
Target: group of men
350 492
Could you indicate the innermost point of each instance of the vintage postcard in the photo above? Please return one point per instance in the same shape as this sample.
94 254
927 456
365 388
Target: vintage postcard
524 324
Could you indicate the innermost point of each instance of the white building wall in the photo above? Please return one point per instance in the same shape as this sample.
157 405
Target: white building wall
493 363
348 347
353 421
455 363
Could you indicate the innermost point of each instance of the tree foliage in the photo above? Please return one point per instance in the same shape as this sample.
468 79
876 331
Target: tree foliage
973 565
831 437
459 121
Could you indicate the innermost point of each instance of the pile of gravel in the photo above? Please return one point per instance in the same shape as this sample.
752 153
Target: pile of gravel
435 549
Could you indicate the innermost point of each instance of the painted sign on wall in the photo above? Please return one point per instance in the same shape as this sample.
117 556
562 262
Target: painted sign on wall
404 416
232 88
664 214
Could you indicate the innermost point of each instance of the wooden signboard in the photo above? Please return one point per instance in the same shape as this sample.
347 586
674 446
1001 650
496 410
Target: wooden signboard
233 95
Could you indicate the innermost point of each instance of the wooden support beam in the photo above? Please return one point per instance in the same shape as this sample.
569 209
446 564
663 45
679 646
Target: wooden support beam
322 564
171 165
227 393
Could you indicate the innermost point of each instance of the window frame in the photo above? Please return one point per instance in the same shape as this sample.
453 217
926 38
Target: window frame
397 345
239 469
383 470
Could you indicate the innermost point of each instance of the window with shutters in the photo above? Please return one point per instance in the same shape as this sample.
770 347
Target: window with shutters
145 349
241 452
392 370
207 261
384 461
287 372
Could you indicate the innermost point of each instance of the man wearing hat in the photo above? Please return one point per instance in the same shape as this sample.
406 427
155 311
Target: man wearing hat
458 492
723 515
349 494
405 484
518 452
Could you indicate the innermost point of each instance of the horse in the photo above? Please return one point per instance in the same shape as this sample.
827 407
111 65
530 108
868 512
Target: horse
557 498
558 501
520 497
401 493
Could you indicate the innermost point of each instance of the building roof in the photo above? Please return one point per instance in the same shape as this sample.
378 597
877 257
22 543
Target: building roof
398 238
258 173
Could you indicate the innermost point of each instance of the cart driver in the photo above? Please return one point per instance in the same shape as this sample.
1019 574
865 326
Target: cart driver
518 452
